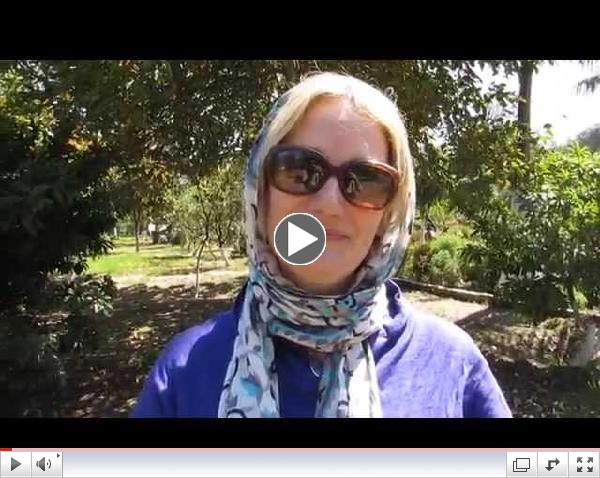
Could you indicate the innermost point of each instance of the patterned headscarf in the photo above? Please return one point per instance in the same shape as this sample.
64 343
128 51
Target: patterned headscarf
273 306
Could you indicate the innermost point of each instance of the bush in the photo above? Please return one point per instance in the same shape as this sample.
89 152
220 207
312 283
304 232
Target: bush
581 300
88 299
536 297
405 269
545 224
477 267
32 374
445 263
444 269
450 242
33 377
437 261
442 215
54 207
540 297
592 294
421 257
176 238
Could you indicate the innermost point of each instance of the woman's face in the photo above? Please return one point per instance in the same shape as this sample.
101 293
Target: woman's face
332 127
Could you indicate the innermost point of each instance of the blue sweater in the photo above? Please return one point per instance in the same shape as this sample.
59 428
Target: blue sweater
426 367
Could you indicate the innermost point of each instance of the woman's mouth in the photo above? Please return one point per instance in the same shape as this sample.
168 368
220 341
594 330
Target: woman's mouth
333 235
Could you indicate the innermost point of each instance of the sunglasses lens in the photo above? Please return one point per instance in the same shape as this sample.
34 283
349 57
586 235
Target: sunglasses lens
296 171
301 171
368 186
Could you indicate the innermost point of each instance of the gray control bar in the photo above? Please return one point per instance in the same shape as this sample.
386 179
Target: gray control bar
301 463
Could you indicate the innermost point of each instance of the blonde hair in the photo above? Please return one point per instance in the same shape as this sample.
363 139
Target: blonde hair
366 100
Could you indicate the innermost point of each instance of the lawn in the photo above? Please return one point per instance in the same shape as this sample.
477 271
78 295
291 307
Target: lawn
154 260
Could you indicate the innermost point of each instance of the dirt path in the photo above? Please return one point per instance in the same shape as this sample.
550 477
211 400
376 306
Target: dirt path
146 315
447 308
450 309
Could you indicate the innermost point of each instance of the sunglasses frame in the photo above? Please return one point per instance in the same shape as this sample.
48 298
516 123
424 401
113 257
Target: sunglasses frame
331 170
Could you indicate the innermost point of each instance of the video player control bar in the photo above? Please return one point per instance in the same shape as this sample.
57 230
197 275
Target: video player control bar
296 463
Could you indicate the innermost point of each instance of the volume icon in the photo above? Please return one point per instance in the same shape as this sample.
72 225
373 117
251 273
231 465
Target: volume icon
43 463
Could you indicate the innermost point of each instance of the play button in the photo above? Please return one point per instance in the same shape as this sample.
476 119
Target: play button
299 239
15 464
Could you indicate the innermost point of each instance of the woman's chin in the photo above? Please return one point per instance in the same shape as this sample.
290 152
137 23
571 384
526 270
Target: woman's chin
330 274
334 259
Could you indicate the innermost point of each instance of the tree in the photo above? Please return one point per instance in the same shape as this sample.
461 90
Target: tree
140 190
192 215
226 199
525 69
589 85
54 205
190 115
209 211
543 232
591 138
181 117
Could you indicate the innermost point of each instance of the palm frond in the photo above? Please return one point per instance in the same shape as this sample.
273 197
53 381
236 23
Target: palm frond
588 85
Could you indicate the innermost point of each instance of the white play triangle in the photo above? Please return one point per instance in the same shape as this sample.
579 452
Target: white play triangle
298 239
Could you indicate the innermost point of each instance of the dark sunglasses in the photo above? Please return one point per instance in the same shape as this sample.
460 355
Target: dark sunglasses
301 171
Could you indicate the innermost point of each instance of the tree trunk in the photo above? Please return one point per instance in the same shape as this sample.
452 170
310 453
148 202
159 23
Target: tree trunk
590 346
136 230
224 256
200 249
524 108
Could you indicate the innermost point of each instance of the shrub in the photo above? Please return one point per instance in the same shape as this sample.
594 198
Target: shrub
33 378
88 300
444 269
437 261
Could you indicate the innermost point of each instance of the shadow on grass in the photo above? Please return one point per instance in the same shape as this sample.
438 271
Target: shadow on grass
106 382
169 258
186 270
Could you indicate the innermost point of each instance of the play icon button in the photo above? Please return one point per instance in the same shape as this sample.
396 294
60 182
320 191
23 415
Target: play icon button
299 239
15 464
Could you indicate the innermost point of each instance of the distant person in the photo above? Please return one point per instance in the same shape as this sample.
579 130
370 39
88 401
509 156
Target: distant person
335 338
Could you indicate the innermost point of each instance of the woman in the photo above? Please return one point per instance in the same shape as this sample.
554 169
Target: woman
334 338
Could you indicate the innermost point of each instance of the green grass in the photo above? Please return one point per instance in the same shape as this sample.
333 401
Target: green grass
153 260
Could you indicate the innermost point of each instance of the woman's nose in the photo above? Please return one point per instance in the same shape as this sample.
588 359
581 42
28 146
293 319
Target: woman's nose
329 198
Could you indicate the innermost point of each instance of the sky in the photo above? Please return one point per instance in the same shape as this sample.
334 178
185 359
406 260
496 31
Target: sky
555 99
